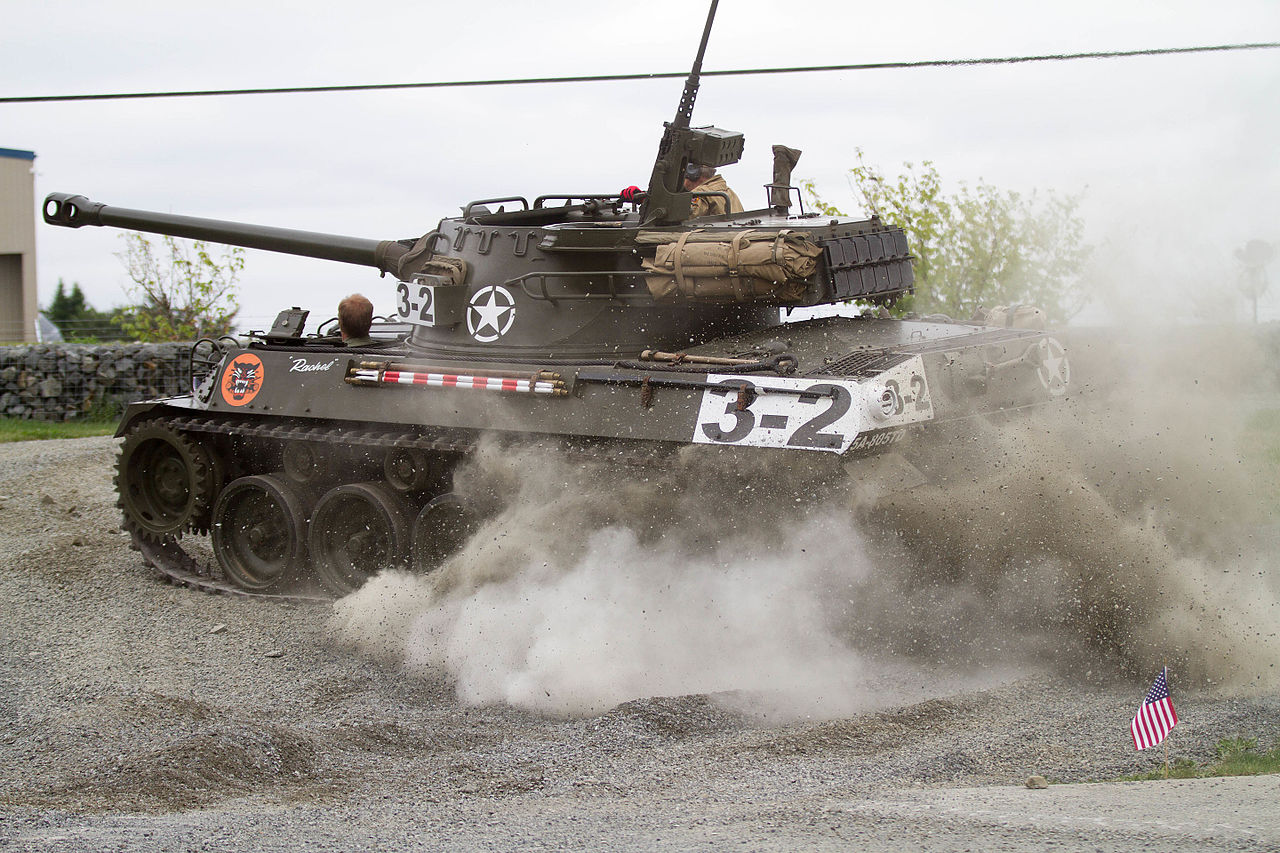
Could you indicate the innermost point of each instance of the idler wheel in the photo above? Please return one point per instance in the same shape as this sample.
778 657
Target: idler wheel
357 530
164 481
443 526
409 469
260 532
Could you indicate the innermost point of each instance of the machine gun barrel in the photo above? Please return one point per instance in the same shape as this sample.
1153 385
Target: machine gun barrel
685 111
74 211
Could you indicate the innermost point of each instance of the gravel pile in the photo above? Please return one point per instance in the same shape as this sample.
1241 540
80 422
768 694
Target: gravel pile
138 715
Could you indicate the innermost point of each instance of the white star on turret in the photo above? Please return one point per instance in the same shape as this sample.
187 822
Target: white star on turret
490 313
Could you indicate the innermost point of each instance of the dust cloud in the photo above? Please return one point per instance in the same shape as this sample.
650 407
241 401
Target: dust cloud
592 585
1096 539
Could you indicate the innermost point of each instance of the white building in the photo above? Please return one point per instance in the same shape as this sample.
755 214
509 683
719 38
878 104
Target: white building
18 296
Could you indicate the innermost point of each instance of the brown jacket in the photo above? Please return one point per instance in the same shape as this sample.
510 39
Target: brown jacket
714 205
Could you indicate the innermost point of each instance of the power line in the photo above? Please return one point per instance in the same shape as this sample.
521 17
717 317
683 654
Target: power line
660 75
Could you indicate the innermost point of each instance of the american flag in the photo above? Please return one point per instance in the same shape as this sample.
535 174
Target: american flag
1156 717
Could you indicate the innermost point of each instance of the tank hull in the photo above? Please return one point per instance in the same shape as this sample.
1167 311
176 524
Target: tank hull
937 370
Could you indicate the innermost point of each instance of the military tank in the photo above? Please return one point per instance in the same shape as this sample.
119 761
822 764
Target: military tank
620 328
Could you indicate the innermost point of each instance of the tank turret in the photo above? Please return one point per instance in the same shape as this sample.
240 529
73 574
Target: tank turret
573 276
591 276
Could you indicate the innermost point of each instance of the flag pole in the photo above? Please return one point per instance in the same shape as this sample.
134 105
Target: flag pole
1166 740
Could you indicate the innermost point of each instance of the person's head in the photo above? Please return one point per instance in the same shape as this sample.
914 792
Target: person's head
696 175
355 316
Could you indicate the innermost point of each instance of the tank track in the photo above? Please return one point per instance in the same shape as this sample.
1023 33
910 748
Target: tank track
175 565
166 555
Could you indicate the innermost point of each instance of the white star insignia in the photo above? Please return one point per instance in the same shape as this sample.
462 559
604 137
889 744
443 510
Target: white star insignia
488 318
1054 370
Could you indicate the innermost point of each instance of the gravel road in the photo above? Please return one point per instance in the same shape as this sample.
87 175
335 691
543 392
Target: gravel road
139 716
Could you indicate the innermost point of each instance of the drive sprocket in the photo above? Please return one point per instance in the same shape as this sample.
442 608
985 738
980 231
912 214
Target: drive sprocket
164 481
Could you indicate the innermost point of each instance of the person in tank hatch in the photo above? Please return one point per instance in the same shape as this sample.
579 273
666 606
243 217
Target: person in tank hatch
698 179
355 316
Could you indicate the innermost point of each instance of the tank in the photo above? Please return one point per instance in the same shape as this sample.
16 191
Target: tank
617 328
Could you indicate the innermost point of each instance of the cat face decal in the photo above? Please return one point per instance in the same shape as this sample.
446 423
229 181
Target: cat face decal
242 379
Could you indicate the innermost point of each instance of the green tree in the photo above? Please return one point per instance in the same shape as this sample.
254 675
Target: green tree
65 306
978 246
77 319
181 290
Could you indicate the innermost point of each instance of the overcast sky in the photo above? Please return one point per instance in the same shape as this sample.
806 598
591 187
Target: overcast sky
1179 156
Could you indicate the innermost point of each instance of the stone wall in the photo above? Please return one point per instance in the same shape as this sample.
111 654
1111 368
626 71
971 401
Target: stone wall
63 381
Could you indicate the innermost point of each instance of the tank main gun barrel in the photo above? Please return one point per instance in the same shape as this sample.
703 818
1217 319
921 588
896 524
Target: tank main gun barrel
74 211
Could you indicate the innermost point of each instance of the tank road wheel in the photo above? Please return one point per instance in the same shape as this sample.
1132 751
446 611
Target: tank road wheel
357 530
164 481
260 532
444 524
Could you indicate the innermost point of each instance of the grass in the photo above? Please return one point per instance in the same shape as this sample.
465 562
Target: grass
18 429
1237 756
1262 431
1261 443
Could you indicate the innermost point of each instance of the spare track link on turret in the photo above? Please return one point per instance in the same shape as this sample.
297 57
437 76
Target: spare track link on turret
167 556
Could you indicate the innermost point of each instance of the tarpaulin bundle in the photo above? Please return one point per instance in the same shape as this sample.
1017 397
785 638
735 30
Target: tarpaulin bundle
740 266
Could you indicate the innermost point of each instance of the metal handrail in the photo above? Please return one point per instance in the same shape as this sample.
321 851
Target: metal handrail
769 188
538 202
525 283
466 211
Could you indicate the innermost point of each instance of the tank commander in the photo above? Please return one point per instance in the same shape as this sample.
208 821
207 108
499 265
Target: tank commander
699 179
355 316
704 179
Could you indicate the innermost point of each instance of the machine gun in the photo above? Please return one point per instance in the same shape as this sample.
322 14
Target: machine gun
666 202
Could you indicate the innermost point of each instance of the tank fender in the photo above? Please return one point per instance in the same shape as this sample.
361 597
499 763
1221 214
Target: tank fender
135 412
